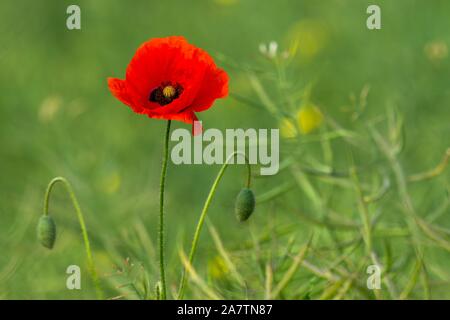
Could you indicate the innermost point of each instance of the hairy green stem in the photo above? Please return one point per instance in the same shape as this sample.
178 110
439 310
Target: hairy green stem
201 220
90 261
161 212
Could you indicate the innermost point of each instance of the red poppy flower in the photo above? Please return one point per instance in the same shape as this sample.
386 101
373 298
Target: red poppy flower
168 78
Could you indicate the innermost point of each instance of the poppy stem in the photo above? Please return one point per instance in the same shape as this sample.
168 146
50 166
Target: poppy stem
201 220
161 212
76 205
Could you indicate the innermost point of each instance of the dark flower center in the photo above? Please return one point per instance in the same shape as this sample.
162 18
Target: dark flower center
165 93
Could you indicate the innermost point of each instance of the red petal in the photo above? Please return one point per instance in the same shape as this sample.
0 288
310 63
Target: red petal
186 117
119 90
214 86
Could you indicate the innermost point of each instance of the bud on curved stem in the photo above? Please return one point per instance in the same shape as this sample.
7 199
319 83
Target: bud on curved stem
47 229
205 211
245 204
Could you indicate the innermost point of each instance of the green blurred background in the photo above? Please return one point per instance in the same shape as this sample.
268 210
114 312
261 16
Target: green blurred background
57 117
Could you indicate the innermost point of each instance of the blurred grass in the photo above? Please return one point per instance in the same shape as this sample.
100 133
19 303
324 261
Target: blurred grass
57 117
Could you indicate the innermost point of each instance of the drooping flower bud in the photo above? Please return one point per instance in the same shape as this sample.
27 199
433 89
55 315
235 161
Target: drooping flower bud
46 231
245 204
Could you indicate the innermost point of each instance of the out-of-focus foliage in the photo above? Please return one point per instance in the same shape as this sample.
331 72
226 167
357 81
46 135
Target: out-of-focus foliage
355 171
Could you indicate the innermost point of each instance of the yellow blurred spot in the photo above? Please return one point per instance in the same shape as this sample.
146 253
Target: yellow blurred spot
436 51
307 37
309 118
49 107
111 183
217 268
287 128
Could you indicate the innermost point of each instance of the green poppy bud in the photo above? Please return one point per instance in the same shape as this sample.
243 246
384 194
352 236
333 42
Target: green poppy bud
46 231
245 204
